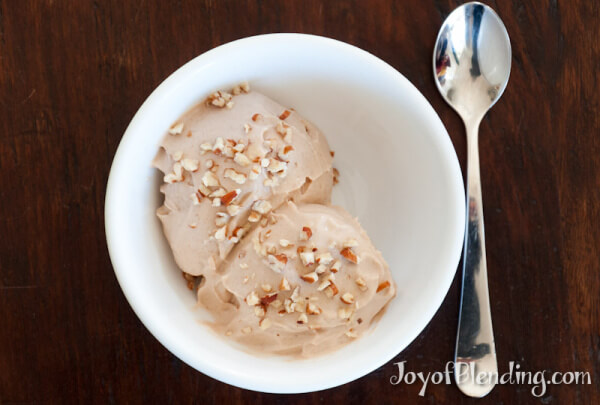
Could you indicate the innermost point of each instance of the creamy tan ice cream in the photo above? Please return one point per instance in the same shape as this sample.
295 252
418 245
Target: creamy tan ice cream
308 282
225 168
247 186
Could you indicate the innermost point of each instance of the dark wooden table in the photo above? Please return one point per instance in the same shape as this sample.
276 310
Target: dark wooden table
73 73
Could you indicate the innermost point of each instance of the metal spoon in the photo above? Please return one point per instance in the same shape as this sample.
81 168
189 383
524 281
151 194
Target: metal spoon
471 66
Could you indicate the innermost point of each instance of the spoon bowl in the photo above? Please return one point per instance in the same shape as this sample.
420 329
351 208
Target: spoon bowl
472 59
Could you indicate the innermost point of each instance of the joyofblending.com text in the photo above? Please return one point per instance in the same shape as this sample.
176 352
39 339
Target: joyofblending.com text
462 372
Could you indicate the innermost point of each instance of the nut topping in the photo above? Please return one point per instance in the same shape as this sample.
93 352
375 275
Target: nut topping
312 309
210 180
220 233
299 306
288 305
321 268
170 178
241 88
220 192
308 258
310 277
284 115
230 196
259 311
220 99
267 299
282 258
254 172
203 190
241 159
302 319
284 285
239 147
233 209
276 166
238 232
281 127
239 178
191 165
275 264
295 294
285 131
324 258
221 219
306 233
252 299
361 284
347 298
261 206
254 217
324 284
196 198
332 290
218 146
176 129
349 254
284 152
177 174
383 286
336 266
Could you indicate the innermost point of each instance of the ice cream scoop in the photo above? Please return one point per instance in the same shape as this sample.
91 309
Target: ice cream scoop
227 162
307 282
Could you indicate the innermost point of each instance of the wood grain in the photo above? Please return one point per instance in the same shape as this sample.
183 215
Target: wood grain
73 73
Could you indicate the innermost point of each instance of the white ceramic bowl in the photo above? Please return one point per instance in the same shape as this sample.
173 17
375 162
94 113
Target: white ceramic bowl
399 175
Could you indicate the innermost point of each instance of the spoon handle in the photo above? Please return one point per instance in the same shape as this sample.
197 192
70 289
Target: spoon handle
475 348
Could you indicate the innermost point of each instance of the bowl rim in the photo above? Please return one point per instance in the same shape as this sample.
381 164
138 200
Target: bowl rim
224 373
